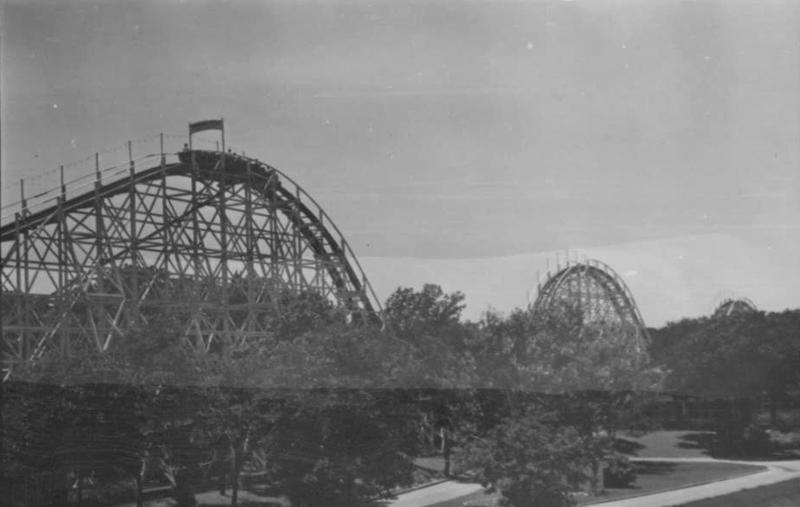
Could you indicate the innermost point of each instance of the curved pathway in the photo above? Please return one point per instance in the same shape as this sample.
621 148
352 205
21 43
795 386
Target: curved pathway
440 492
777 471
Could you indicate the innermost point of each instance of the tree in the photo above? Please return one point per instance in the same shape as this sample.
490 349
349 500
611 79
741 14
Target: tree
580 374
440 356
237 411
500 347
530 461
411 313
343 447
77 420
347 432
736 358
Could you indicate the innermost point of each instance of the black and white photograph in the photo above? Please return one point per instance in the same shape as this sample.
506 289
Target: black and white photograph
400 253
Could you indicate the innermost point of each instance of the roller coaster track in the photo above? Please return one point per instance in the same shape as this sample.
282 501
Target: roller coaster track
87 261
598 292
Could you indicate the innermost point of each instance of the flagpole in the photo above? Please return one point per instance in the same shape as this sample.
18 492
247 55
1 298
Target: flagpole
222 129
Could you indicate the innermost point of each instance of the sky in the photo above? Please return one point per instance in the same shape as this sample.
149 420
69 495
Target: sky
452 132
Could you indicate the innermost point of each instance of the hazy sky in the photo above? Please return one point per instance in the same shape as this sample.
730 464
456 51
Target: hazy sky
441 129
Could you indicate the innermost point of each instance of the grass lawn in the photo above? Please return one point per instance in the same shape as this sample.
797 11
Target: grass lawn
667 444
214 499
699 444
782 494
652 477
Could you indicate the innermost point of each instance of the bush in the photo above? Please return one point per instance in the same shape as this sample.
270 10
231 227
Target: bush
184 490
788 420
752 440
756 441
110 494
784 440
529 462
619 472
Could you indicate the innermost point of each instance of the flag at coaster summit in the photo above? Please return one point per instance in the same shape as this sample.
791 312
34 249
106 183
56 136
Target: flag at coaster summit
200 126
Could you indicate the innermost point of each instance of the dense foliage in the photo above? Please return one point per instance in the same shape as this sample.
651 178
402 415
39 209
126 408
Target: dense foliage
530 461
729 365
740 355
328 412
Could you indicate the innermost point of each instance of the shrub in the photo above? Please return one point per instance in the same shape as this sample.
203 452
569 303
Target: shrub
756 441
184 490
110 494
784 440
752 440
619 472
530 462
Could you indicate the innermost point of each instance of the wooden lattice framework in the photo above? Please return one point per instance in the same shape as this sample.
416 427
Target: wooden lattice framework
730 307
231 228
599 294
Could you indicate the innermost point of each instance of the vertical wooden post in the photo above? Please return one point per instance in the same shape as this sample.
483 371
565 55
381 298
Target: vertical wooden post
62 263
165 220
223 224
248 210
134 240
22 200
223 215
322 263
99 254
26 257
26 248
273 230
20 301
222 130
196 240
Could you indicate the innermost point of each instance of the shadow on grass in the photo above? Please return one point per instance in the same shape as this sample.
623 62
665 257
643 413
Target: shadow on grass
645 468
627 447
654 467
708 443
703 441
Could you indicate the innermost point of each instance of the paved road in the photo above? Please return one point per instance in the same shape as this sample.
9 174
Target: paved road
434 494
777 471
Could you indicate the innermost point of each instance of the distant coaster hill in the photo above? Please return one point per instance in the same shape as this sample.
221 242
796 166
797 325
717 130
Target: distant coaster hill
731 307
599 295
85 259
